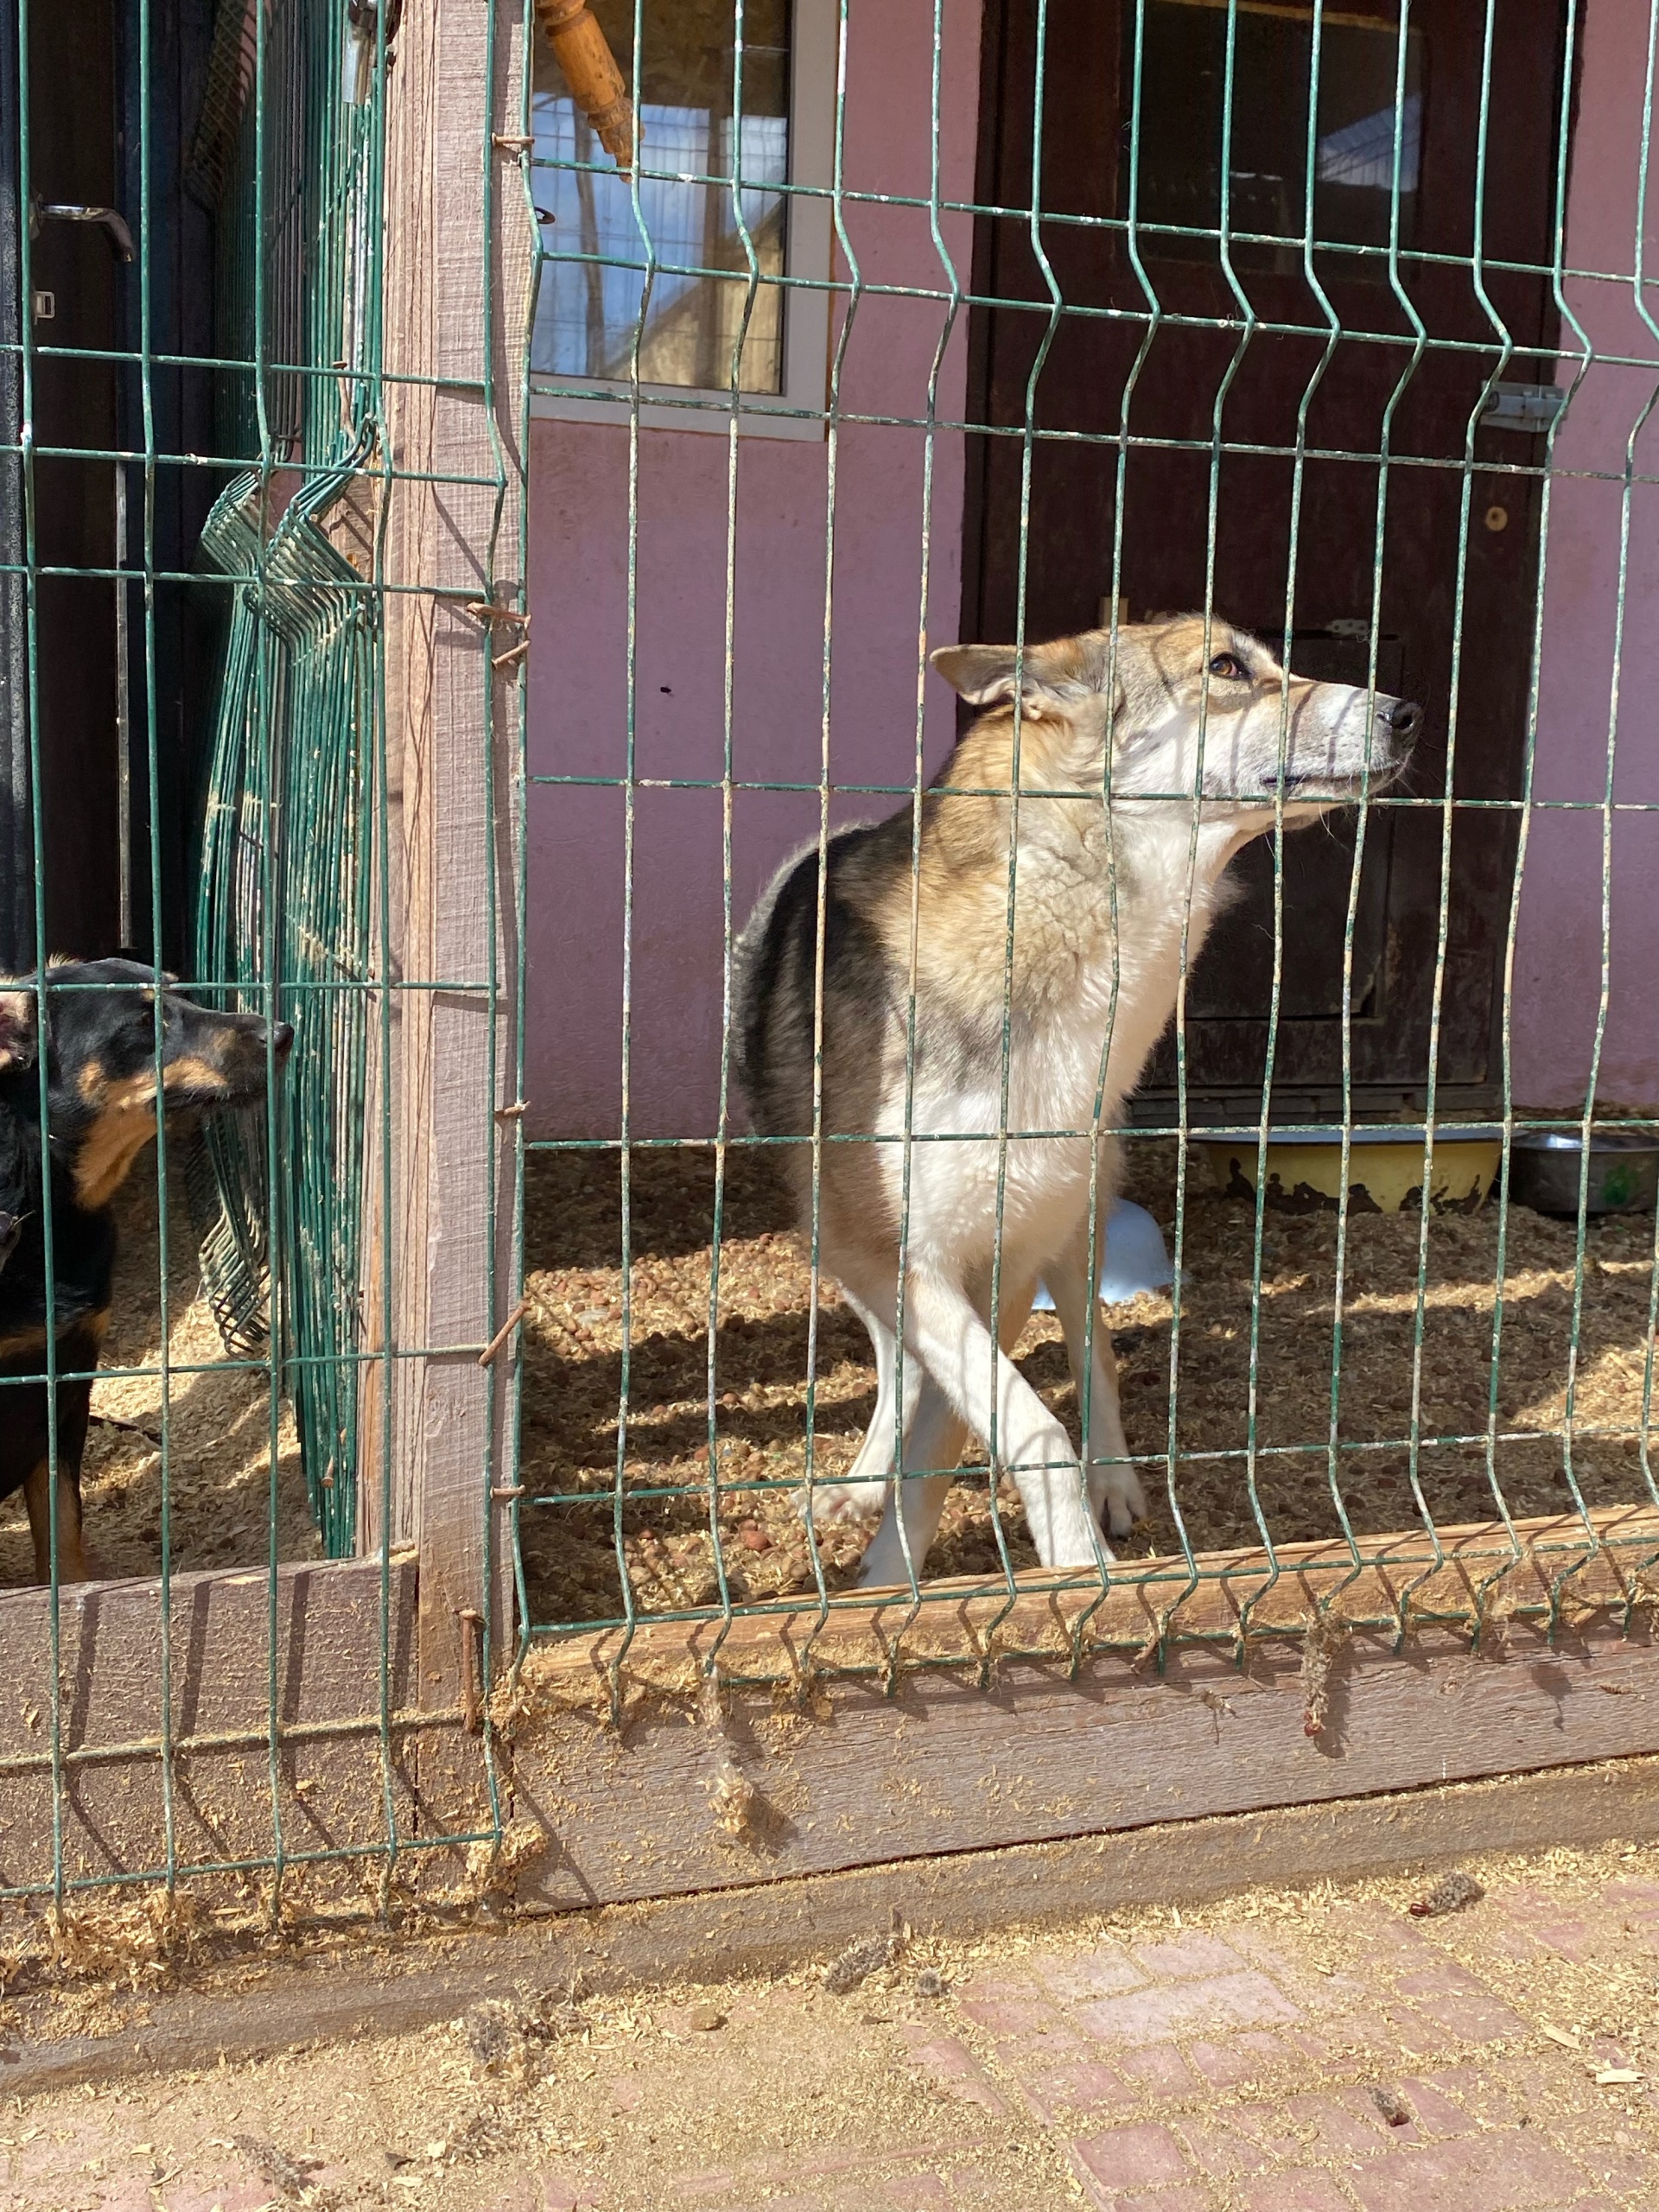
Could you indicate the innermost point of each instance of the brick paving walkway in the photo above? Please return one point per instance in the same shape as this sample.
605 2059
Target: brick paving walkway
1341 2058
1213 2070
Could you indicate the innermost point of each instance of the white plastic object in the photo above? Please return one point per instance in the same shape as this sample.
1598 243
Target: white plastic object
1134 1258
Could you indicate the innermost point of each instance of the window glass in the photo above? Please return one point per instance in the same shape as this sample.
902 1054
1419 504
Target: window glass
705 156
1363 126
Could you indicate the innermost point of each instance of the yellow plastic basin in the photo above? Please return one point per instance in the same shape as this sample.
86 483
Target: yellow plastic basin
1385 1169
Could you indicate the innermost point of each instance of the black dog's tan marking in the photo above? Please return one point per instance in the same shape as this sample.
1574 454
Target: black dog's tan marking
105 1088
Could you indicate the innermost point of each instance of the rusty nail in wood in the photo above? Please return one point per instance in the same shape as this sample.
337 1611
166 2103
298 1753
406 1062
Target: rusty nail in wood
509 144
486 610
513 654
516 1112
504 1493
471 1667
486 1357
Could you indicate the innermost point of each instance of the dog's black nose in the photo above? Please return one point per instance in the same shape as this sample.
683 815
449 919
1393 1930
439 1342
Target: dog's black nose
282 1036
1405 719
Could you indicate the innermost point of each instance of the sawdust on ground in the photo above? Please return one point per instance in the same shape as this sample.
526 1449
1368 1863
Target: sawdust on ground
221 1492
742 2087
220 1488
574 1369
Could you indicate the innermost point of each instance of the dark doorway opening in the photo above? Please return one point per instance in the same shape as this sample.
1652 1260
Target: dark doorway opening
96 103
1282 429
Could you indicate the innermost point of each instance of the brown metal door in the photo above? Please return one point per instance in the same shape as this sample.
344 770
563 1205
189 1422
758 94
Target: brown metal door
1261 423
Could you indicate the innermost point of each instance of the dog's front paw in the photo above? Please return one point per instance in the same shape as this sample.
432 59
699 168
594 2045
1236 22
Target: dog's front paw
1126 1502
827 1504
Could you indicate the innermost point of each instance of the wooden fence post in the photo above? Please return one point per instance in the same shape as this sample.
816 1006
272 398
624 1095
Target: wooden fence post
459 246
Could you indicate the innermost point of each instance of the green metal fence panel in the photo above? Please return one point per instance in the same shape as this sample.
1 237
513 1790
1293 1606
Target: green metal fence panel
269 341
1165 305
1164 232
290 808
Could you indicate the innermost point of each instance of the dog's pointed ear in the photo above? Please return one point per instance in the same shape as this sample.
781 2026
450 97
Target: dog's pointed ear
983 675
1048 677
19 1024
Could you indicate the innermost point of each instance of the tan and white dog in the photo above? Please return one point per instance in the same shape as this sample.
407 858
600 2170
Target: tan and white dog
1145 763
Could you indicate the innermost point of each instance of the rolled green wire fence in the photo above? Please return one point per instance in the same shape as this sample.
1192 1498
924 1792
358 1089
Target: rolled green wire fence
290 782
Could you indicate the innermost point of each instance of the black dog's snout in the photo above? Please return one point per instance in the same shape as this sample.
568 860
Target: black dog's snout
282 1036
1405 719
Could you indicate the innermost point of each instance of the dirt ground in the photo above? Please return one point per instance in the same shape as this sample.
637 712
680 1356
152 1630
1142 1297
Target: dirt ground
574 1369
1320 2049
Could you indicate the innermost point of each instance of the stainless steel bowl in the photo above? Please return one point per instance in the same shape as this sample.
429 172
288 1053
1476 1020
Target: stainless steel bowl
1545 1167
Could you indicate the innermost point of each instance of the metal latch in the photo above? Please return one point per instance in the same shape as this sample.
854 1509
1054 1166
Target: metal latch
107 220
1529 407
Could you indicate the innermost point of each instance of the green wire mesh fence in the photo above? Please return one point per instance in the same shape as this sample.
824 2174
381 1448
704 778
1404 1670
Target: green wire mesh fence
289 810
1274 313
899 329
210 506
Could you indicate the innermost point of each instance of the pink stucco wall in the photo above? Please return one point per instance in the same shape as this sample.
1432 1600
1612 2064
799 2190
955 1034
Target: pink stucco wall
579 550
1597 695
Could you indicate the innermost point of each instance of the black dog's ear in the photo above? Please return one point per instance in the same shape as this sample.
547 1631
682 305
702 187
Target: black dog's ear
19 1020
142 960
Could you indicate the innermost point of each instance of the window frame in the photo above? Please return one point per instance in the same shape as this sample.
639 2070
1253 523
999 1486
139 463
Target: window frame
799 409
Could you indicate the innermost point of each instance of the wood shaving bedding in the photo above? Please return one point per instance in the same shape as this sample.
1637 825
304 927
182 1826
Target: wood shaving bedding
679 1538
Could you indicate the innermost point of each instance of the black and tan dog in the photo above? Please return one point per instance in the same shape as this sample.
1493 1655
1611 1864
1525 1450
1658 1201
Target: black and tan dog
12 1198
106 1085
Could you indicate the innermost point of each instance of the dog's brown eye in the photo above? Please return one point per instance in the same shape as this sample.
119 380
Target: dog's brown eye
1227 665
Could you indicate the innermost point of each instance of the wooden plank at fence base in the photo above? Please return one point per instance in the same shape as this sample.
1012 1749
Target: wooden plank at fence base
1484 1570
458 262
404 1984
695 1793
329 1788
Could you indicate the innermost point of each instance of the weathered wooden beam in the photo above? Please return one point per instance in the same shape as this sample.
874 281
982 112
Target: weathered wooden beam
325 1791
1562 1564
801 1774
398 1984
459 261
